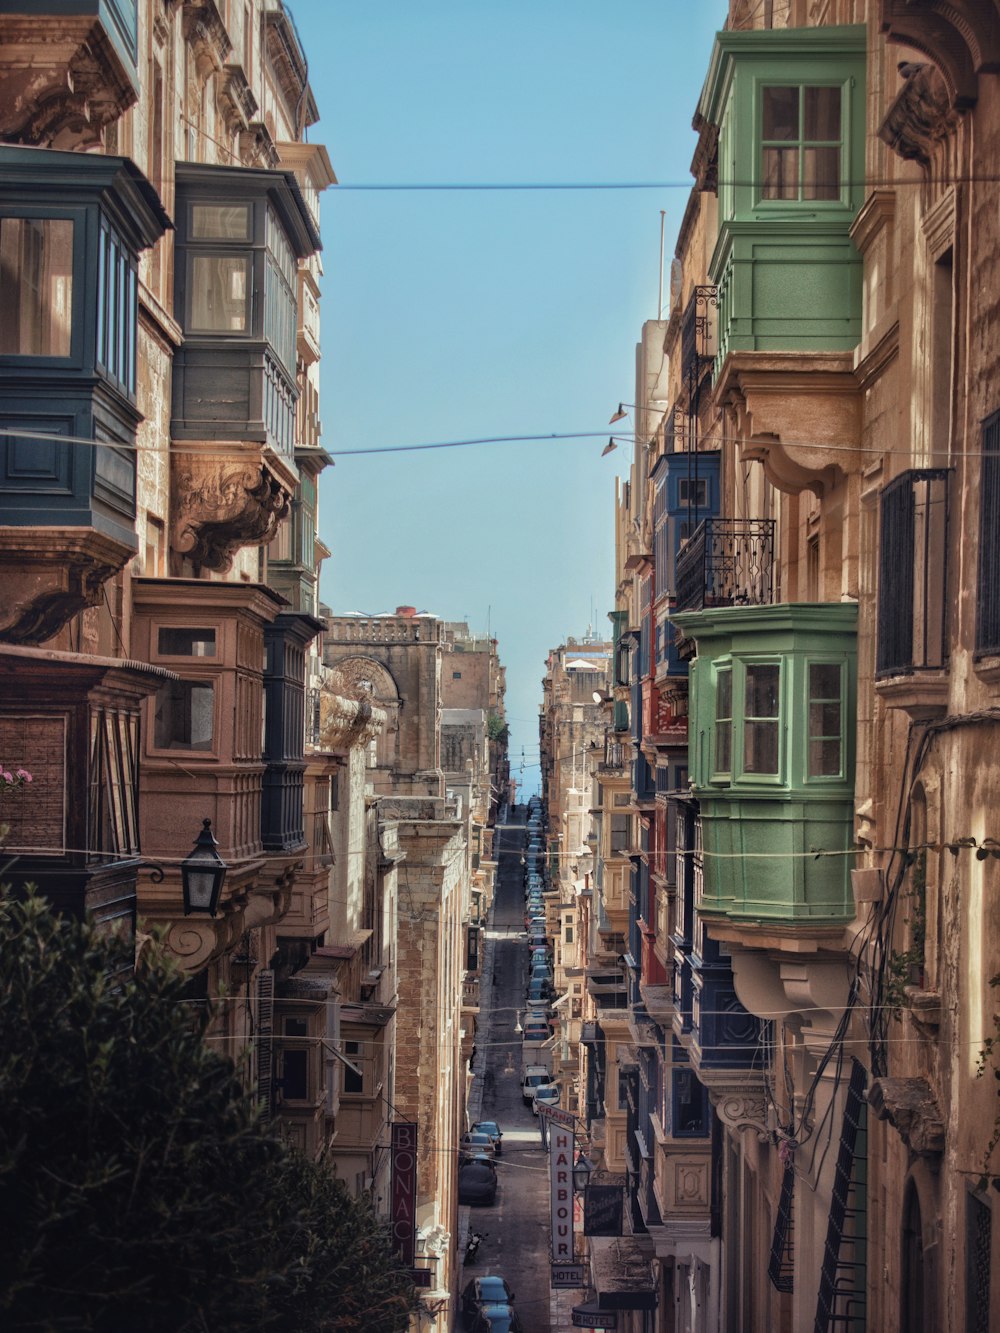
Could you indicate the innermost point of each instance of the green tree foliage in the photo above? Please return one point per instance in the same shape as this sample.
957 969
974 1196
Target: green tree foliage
138 1191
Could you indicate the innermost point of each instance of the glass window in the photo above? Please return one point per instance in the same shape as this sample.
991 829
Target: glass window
693 492
352 1082
184 715
801 133
620 833
36 286
825 713
760 714
186 642
117 308
220 222
113 779
724 721
295 1063
220 287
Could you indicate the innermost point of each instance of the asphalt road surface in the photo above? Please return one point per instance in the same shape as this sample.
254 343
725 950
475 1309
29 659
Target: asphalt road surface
516 1227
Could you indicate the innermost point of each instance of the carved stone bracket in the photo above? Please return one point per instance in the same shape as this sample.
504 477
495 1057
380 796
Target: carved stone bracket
50 576
257 146
346 723
206 35
221 509
740 1107
798 413
961 38
911 1108
921 116
63 81
236 100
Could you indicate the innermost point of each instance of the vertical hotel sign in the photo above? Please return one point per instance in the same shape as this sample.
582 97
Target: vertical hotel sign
561 1145
403 1164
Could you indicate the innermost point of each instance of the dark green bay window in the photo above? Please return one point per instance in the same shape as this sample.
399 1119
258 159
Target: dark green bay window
72 226
241 233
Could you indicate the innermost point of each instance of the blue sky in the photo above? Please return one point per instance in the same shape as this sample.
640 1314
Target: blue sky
449 315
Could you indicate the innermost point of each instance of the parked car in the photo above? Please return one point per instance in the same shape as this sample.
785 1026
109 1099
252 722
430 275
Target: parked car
477 1183
540 1014
532 1077
496 1319
476 1142
536 1032
539 992
546 1094
491 1128
489 1289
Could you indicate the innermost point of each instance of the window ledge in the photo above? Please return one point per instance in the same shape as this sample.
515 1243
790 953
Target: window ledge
988 669
923 695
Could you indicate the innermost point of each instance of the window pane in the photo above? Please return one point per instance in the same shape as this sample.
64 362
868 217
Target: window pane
187 642
781 169
36 286
762 690
220 287
723 722
820 173
760 747
822 114
781 113
183 716
824 719
220 222
824 758
824 680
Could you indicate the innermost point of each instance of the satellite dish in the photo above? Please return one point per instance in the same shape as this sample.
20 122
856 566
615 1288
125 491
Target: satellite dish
676 283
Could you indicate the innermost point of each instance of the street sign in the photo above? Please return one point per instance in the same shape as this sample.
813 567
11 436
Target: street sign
589 1316
567 1275
558 1116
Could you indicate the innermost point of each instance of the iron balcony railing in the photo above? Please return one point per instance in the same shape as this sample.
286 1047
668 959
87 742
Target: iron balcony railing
913 573
727 562
698 331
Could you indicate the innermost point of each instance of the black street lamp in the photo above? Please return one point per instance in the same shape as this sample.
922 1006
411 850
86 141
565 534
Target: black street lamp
202 874
582 1169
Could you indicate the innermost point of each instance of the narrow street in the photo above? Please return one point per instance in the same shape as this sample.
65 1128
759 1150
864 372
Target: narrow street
516 1228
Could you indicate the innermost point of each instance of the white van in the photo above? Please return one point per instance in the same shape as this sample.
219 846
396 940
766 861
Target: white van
532 1077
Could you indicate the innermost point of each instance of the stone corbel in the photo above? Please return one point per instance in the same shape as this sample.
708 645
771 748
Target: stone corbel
196 941
205 33
346 723
219 510
921 116
50 577
236 100
257 147
270 896
739 1107
911 1108
961 38
799 414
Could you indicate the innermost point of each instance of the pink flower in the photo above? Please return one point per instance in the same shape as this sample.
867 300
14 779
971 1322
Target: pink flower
8 777
24 775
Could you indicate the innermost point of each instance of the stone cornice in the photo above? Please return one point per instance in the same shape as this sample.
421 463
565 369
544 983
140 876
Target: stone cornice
960 37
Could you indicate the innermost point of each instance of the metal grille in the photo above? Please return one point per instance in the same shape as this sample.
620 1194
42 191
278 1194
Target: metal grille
841 1300
780 1265
978 1265
988 584
727 562
265 1041
697 329
913 573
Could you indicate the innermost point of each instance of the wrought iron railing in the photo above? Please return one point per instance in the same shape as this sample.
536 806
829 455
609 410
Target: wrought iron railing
727 562
698 330
913 573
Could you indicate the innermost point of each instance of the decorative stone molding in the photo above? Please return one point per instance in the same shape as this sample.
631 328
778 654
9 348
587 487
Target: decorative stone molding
798 413
741 1108
961 38
346 723
63 81
920 117
205 33
911 1108
257 146
220 510
50 575
236 100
